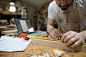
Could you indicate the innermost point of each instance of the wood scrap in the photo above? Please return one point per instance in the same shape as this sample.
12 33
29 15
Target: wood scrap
56 44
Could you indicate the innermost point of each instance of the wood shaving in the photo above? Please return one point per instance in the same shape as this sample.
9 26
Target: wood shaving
44 55
58 53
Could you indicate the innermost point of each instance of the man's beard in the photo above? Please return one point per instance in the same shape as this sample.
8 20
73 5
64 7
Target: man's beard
68 5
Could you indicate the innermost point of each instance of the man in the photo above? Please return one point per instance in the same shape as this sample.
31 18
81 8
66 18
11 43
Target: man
70 15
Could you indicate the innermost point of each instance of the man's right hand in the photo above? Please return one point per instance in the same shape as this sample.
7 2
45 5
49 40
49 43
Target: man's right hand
54 34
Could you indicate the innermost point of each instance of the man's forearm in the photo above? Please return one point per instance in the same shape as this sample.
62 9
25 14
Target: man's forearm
49 28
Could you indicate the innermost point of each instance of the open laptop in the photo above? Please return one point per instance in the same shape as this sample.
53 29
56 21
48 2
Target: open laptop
24 26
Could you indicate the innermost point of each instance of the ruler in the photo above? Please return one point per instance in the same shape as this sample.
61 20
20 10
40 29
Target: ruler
35 37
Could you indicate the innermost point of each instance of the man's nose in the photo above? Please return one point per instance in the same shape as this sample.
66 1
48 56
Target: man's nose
63 3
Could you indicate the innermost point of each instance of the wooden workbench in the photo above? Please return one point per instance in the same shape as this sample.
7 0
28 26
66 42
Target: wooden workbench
39 50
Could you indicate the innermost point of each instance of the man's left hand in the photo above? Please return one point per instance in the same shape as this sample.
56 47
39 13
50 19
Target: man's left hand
72 39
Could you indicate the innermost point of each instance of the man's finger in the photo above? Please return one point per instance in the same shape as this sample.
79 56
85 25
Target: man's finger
54 37
50 37
55 34
76 44
71 41
68 38
64 36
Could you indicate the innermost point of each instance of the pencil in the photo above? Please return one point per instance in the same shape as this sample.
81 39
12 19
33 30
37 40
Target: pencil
58 29
59 38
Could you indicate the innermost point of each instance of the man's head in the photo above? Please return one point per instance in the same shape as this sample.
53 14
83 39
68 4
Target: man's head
64 4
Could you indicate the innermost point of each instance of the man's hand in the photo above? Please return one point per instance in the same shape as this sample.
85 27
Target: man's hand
54 34
72 39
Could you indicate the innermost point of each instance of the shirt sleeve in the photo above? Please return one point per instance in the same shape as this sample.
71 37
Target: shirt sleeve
50 11
82 6
85 6
82 11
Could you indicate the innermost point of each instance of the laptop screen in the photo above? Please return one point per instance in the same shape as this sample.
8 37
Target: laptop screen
22 25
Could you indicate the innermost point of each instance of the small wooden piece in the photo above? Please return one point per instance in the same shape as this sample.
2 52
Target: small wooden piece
56 44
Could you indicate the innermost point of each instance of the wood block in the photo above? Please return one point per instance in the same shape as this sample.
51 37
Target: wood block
56 44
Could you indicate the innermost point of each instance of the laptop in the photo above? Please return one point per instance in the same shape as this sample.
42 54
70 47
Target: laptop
24 26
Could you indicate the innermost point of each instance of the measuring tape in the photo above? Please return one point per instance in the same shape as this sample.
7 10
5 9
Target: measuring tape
35 37
84 43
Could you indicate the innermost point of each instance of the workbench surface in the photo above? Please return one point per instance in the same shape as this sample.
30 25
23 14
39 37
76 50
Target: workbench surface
39 50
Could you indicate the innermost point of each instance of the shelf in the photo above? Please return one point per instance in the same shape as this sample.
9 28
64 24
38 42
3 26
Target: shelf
12 13
45 11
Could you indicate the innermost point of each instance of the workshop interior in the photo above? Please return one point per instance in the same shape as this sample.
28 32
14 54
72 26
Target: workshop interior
23 30
35 11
